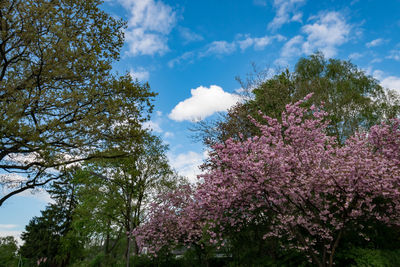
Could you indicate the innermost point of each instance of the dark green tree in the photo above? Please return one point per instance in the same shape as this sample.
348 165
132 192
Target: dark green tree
47 237
60 102
8 251
354 100
114 194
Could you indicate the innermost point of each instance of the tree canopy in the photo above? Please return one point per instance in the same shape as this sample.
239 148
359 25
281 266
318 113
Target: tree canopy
60 102
295 180
8 251
96 204
353 99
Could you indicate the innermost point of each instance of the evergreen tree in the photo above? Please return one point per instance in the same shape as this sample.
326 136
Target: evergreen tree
46 237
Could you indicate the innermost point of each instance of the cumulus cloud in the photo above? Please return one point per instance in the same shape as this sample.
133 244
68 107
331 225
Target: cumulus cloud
149 23
390 82
187 164
375 42
140 73
286 11
291 48
326 33
144 43
203 103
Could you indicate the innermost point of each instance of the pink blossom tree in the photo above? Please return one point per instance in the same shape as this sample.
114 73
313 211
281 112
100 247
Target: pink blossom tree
309 189
172 221
295 179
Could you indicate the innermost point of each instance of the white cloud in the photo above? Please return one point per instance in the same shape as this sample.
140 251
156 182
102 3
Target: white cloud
15 233
286 12
38 194
298 17
258 43
11 181
168 134
376 60
7 226
187 56
140 73
375 42
326 33
329 31
152 126
189 36
246 43
260 2
355 55
394 54
150 15
11 230
291 48
203 103
390 82
187 164
242 41
149 23
219 48
143 43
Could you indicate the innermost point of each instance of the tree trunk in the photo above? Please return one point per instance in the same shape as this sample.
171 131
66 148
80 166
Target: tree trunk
128 250
335 245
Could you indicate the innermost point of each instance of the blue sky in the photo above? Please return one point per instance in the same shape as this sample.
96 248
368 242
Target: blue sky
191 52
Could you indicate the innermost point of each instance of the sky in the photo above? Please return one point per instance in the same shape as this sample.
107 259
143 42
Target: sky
191 51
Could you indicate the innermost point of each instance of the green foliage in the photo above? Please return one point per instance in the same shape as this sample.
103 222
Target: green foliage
8 251
369 257
163 261
49 236
42 237
96 206
354 100
126 187
60 102
248 248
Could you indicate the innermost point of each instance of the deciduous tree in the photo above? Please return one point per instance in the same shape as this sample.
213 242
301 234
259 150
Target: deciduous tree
306 188
8 251
127 186
353 99
60 102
